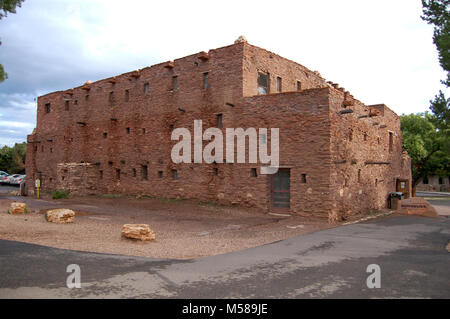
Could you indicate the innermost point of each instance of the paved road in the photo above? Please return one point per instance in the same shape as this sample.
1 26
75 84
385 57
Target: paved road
332 263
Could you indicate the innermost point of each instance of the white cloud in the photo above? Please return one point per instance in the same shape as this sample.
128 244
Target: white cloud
381 51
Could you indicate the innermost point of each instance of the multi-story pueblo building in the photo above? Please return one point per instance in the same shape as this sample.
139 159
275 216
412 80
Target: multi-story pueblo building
337 156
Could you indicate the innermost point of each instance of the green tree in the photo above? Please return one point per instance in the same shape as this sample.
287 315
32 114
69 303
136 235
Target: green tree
12 159
437 13
426 144
7 6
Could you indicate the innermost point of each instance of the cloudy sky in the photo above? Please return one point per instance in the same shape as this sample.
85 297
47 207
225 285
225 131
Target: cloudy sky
381 51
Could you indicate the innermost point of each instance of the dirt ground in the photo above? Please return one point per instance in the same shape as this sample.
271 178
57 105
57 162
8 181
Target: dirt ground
184 229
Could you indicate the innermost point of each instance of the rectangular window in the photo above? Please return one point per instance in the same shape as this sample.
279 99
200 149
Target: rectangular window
134 172
278 84
118 174
160 174
127 95
216 171
67 105
101 174
263 83
254 172
299 86
219 120
206 80
75 102
174 83
86 98
111 98
303 178
144 171
174 174
105 135
147 88
359 176
391 142
143 131
128 130
47 108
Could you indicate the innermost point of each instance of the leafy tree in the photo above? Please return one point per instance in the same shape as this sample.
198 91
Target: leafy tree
12 159
7 6
437 13
427 145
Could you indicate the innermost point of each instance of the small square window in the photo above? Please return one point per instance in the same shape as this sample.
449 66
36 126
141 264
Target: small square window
303 179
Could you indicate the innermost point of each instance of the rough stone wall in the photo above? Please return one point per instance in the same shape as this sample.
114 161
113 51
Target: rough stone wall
365 169
434 185
78 178
121 136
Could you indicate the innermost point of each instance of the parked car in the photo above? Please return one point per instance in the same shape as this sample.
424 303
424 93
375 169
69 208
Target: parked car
17 179
4 178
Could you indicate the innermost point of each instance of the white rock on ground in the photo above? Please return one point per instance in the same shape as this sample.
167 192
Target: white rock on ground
138 231
60 216
18 208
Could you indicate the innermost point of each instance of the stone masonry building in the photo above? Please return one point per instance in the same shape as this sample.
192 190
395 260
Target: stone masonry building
338 156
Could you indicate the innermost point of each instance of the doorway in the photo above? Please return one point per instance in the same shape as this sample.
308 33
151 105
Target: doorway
281 189
402 185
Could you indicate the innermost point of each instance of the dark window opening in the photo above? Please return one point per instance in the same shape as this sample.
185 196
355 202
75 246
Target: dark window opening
174 174
67 105
441 181
263 83
206 80
75 102
127 95
303 178
219 120
144 171
105 135
143 131
128 130
134 172
146 88
111 98
51 150
299 86
350 135
47 108
425 180
254 172
359 176
365 136
215 171
174 82
160 174
118 174
171 127
86 97
391 141
279 88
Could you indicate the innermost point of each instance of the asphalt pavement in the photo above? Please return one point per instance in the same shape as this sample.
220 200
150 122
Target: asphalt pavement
410 252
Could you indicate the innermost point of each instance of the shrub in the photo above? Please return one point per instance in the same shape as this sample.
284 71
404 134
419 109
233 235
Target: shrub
60 194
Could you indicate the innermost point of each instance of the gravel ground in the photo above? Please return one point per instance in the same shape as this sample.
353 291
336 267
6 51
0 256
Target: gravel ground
184 229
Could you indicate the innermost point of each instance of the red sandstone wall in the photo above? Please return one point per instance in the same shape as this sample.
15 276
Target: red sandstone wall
350 155
313 134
